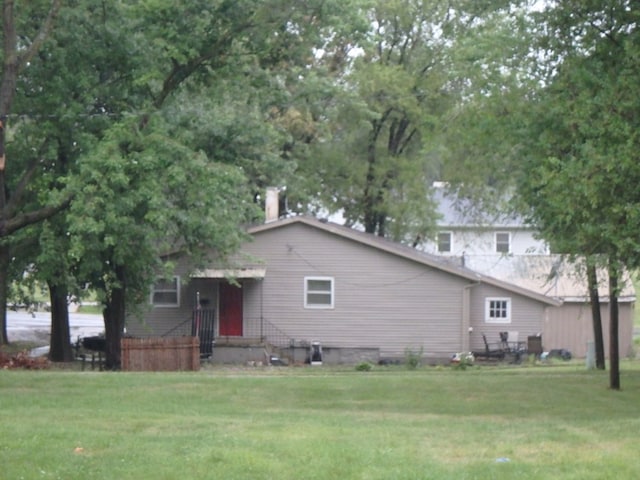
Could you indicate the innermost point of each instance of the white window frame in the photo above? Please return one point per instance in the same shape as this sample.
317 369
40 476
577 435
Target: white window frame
450 234
175 289
508 234
330 293
491 308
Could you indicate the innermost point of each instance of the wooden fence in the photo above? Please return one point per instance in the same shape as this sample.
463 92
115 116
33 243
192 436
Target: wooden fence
156 354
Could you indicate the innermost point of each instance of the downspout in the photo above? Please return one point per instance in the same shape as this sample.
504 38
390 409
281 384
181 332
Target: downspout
262 310
465 327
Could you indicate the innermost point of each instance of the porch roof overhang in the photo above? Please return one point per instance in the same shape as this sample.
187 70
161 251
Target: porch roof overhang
248 273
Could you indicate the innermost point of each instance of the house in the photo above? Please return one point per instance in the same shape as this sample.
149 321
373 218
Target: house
464 230
503 246
570 325
302 281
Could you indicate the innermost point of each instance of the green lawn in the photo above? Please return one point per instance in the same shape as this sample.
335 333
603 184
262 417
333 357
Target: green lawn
319 423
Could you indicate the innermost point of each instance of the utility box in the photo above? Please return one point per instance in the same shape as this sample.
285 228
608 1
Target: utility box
315 354
591 355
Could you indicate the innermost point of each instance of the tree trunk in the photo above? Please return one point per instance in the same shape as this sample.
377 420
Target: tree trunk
4 289
60 350
370 221
114 315
614 352
598 338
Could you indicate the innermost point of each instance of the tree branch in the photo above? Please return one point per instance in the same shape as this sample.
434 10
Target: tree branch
17 222
41 37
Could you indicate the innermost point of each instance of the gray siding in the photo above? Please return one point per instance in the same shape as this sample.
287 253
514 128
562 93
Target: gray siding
148 321
172 321
570 327
381 300
526 316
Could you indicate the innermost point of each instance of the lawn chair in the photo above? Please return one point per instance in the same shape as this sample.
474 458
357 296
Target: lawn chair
513 348
490 352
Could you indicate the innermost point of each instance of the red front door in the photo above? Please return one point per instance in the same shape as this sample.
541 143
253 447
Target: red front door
230 310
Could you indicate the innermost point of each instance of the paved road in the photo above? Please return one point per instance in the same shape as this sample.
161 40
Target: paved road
37 327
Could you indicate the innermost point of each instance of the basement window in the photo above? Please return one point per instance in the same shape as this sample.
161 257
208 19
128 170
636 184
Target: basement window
166 293
318 292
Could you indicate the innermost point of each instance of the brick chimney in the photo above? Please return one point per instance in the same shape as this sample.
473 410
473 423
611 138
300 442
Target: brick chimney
271 212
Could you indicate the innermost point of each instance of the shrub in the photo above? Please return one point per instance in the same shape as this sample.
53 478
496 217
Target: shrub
413 359
364 367
461 361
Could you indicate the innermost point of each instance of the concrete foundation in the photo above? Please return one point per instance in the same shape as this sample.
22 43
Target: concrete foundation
244 354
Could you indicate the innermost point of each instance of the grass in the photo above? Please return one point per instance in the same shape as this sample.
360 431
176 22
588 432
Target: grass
320 423
636 313
90 308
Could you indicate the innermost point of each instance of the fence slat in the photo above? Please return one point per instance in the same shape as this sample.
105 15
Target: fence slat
160 354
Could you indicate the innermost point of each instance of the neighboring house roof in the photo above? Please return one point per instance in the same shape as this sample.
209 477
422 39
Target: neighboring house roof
382 244
551 275
460 212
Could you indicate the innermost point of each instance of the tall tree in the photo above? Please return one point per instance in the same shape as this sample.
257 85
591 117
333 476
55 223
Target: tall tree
64 102
406 81
25 31
33 27
582 185
145 189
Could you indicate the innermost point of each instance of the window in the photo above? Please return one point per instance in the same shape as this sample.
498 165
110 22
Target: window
318 292
444 242
166 293
503 242
497 310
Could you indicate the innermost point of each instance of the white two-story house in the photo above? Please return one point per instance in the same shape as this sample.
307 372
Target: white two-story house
465 231
503 246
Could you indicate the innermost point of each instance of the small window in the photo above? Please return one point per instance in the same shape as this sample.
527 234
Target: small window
318 292
498 310
166 293
444 242
503 242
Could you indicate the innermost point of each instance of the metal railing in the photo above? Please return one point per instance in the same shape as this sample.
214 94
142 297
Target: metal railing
267 332
201 324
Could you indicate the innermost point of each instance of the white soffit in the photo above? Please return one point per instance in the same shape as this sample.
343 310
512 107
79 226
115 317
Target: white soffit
230 273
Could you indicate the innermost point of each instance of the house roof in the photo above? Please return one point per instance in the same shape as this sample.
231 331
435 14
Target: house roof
393 248
551 275
460 212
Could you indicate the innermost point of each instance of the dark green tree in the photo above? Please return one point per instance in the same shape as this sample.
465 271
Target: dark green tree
580 180
407 81
181 171
25 31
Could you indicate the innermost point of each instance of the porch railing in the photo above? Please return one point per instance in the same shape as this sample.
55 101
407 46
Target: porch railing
203 326
267 332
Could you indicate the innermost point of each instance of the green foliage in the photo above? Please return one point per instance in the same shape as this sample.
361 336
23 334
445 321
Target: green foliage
462 361
364 367
581 174
413 358
142 194
399 118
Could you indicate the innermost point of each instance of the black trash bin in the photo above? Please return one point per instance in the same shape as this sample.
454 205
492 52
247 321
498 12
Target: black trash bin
534 345
315 355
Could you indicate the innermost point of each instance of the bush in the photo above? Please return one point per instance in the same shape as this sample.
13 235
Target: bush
364 367
461 361
413 359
